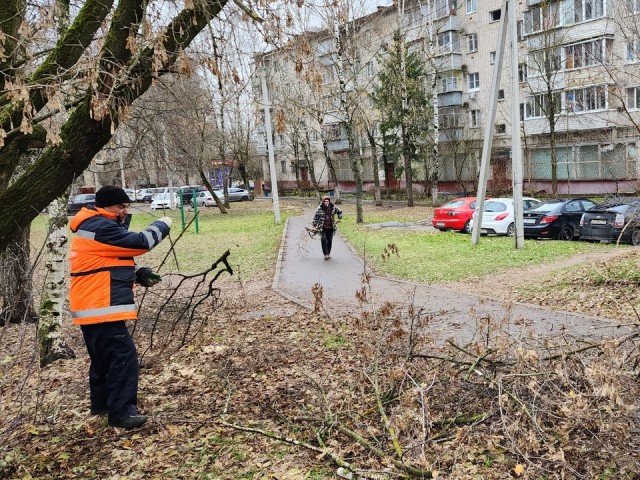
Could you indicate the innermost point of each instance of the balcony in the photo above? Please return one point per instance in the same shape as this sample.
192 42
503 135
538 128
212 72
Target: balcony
449 61
575 122
452 22
338 145
450 99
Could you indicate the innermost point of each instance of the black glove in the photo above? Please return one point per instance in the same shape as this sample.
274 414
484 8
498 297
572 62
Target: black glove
147 277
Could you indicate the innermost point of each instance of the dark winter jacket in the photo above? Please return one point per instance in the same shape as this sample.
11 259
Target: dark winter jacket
102 268
322 212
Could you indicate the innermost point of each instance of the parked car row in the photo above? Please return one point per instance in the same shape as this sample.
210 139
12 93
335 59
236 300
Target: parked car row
165 198
560 218
205 199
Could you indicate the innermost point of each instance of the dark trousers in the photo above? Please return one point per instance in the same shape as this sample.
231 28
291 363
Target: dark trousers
326 240
113 374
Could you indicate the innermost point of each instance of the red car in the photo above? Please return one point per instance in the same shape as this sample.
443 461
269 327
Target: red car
454 215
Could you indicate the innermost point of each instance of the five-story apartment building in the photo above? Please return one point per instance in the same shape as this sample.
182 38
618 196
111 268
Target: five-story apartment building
579 93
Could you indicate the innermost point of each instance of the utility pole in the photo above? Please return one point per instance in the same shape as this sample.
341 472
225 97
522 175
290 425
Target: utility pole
272 161
516 148
165 148
508 18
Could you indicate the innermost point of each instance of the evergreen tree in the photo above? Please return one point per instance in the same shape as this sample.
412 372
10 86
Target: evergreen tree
404 104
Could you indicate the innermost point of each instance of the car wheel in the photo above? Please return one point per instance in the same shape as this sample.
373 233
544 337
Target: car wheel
635 237
566 233
244 199
511 230
467 227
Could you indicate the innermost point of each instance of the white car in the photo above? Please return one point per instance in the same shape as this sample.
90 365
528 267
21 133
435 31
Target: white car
204 199
163 201
144 195
498 217
131 193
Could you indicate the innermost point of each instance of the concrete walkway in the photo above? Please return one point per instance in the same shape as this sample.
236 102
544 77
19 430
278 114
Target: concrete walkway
451 313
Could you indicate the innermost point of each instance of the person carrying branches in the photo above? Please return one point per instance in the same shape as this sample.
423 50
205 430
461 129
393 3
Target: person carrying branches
101 299
324 221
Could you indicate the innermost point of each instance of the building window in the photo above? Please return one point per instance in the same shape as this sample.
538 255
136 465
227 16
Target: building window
522 72
541 18
586 162
472 42
449 84
633 50
494 15
449 42
542 60
633 97
588 53
586 99
633 6
474 81
537 106
444 7
471 6
283 166
313 135
369 69
501 128
501 94
520 30
474 118
449 117
578 11
492 57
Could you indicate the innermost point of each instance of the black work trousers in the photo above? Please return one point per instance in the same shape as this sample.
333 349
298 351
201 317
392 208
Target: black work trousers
113 374
326 240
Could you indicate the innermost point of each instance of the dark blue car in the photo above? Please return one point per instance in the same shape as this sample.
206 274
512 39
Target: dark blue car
556 218
612 221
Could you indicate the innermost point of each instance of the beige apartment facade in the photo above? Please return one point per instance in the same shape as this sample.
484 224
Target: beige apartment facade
579 96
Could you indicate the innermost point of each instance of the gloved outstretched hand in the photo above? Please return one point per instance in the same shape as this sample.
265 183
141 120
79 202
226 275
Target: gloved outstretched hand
147 277
167 220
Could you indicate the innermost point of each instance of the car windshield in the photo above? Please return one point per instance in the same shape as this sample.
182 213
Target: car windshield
453 204
163 196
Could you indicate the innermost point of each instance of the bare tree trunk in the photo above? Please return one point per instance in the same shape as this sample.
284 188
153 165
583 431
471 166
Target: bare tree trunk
355 160
51 344
306 153
16 300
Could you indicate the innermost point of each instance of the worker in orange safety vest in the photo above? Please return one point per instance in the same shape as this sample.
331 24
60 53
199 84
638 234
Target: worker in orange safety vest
103 273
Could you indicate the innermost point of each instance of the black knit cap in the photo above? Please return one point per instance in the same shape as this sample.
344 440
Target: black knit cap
110 195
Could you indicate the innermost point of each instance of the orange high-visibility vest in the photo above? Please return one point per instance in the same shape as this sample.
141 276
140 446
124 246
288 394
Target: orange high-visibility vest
102 265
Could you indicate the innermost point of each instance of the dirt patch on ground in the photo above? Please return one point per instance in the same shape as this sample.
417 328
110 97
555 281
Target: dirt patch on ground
585 283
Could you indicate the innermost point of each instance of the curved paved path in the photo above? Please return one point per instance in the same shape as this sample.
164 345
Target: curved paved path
451 313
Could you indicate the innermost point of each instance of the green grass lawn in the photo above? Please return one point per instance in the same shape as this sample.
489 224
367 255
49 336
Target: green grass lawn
449 256
250 233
